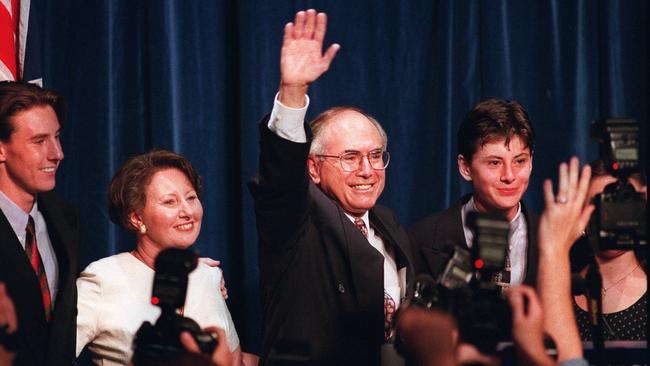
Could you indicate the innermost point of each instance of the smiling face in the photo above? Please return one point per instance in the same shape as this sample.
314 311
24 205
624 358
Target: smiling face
499 174
30 157
356 191
172 212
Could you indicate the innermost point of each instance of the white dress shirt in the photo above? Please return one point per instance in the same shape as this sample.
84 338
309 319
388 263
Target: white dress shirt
517 241
18 220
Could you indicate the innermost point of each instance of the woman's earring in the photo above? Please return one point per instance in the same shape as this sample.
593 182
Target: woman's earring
143 229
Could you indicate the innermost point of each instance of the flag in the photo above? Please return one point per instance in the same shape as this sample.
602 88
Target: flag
9 24
21 40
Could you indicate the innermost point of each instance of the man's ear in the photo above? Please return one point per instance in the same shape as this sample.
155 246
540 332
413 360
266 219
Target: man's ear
313 167
3 158
135 220
464 168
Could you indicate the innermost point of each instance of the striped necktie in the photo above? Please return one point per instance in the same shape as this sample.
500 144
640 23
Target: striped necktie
37 264
361 226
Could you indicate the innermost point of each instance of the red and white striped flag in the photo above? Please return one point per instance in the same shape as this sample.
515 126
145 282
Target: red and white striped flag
9 28
14 22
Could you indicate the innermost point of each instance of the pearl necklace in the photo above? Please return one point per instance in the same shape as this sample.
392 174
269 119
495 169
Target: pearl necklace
619 281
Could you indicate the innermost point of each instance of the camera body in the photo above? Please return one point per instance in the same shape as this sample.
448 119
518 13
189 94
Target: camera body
619 219
468 286
169 292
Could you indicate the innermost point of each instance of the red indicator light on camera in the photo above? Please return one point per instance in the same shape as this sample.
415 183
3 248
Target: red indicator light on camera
478 264
615 166
155 300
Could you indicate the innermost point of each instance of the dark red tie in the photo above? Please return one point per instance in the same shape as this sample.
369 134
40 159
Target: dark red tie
37 264
361 226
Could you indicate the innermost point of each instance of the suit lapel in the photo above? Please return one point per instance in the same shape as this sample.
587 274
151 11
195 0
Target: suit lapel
11 248
403 260
531 249
365 265
57 230
451 227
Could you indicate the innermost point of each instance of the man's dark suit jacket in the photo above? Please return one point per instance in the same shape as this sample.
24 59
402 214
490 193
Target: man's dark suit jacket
322 283
435 236
41 343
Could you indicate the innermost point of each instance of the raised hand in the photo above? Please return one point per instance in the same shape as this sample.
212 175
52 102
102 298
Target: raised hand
566 215
562 222
302 60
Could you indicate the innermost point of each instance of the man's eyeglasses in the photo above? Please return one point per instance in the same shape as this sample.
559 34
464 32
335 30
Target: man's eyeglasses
351 161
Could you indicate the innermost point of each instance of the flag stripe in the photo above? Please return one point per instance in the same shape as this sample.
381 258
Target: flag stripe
7 41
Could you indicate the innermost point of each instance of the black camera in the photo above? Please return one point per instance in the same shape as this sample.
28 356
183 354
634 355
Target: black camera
470 286
169 292
619 220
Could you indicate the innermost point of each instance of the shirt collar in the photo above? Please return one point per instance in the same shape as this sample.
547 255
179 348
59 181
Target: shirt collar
470 206
365 217
15 215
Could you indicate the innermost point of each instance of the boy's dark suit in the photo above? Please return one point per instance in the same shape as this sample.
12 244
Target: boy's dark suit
41 343
435 235
322 282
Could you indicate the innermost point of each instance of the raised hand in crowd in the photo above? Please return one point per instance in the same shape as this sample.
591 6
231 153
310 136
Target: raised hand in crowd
302 60
564 219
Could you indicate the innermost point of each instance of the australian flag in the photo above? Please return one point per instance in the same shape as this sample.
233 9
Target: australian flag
21 40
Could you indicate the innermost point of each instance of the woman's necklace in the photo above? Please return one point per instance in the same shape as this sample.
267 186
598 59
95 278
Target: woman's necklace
619 281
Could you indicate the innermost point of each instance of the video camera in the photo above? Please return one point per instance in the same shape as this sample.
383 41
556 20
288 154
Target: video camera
169 291
469 287
619 219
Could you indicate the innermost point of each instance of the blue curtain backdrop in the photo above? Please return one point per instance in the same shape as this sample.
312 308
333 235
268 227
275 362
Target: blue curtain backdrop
195 77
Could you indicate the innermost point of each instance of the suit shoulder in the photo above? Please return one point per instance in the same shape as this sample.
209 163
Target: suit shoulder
52 199
426 223
386 214
437 227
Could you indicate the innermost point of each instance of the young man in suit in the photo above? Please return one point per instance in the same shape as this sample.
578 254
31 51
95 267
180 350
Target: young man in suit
38 230
495 143
334 265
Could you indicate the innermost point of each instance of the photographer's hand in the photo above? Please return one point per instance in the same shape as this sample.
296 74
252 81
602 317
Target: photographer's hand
9 322
221 355
428 335
528 326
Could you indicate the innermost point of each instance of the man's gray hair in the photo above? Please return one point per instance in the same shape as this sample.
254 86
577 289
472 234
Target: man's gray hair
320 123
